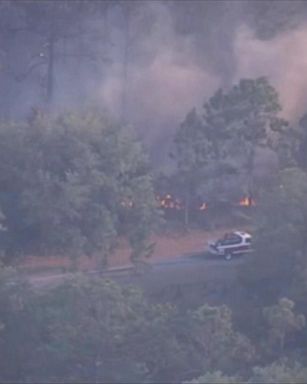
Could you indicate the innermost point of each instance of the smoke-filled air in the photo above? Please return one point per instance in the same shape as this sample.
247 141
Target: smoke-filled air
153 191
148 62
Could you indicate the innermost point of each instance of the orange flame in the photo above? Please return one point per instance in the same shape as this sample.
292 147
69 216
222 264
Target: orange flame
169 202
203 207
247 202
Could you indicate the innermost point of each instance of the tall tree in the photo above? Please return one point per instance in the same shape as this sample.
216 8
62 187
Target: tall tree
221 146
78 181
279 236
282 320
43 35
301 152
192 151
220 346
243 120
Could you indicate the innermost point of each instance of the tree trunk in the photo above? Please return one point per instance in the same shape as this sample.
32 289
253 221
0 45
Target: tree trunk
250 170
50 69
126 28
282 342
187 210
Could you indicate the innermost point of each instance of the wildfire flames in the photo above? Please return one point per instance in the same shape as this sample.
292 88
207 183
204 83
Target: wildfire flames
203 207
247 202
170 202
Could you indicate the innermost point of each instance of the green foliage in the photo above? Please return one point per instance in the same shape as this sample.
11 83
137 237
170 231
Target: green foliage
282 213
282 321
279 236
220 346
93 330
192 151
221 146
92 324
280 372
16 330
191 145
216 377
283 372
65 181
240 121
301 150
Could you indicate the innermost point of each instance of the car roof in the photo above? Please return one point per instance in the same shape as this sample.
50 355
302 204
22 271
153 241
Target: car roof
243 234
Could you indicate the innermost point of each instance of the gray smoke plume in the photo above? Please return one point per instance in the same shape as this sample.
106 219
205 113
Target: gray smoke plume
156 60
219 46
283 59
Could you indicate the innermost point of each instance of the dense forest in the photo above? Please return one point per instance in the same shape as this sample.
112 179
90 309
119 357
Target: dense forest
95 132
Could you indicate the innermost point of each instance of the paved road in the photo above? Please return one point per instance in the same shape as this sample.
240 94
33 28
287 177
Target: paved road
186 269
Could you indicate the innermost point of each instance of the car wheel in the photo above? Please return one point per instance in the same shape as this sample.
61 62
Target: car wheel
228 255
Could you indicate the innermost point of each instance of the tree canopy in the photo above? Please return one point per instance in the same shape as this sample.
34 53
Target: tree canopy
220 146
69 183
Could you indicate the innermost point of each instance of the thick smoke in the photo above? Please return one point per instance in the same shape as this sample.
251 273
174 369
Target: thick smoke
161 59
173 72
283 59
164 78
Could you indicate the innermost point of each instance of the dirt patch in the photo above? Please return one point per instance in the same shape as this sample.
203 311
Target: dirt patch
167 247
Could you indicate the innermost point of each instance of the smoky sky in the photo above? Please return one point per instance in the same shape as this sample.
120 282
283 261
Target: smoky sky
159 59
171 70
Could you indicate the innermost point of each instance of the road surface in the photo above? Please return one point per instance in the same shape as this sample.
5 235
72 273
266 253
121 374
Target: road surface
189 269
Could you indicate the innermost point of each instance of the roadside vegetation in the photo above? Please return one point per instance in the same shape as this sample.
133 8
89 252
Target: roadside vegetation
74 182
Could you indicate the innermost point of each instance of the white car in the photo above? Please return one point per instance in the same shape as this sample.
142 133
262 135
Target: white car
233 243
